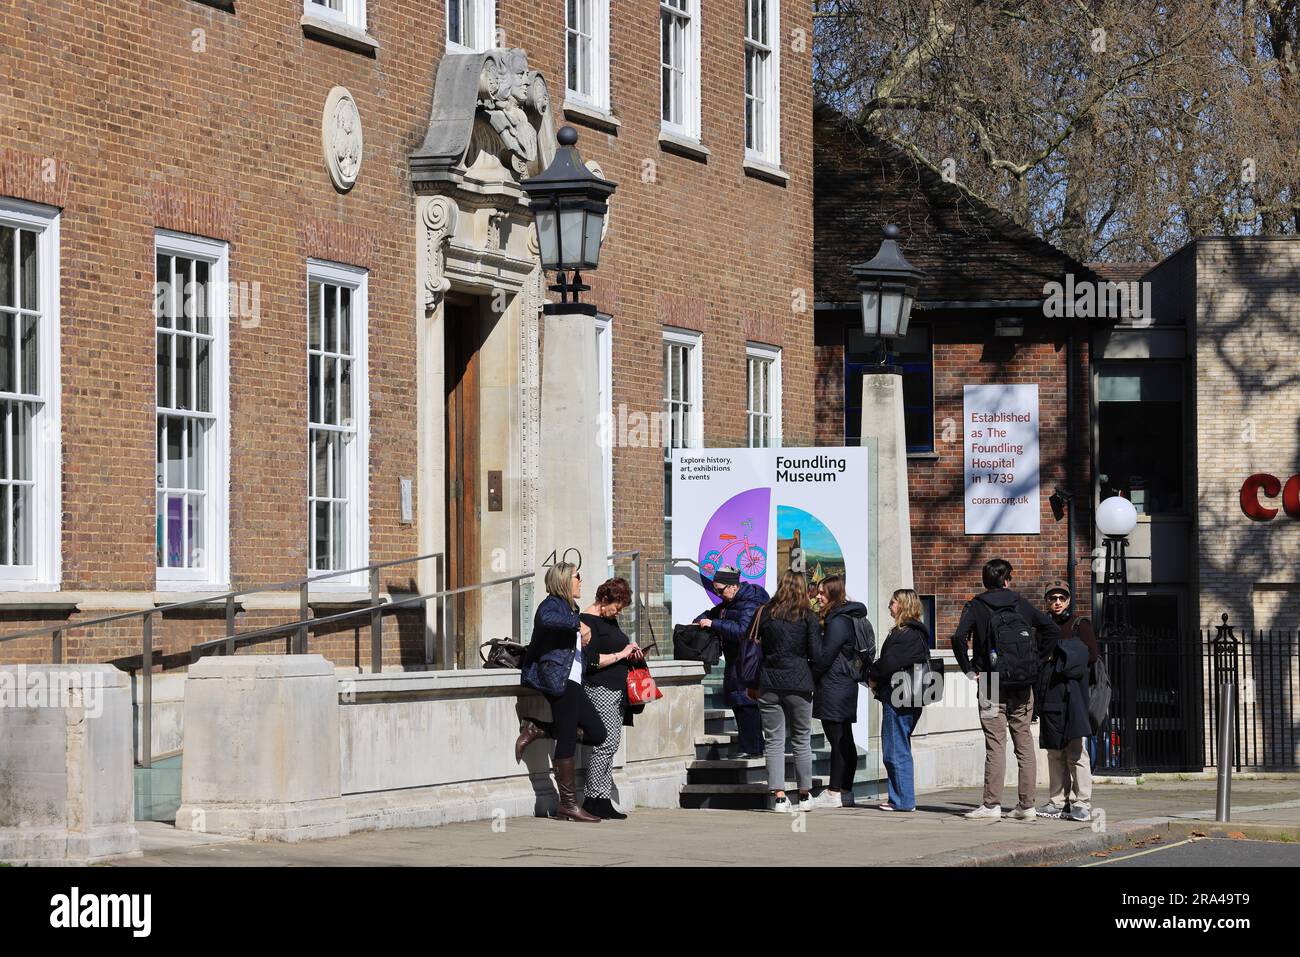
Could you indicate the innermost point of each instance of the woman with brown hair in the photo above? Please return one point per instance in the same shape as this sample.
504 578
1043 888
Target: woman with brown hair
791 639
835 702
891 677
606 685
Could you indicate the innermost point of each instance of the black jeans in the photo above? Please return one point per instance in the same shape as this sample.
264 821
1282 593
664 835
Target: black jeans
750 724
844 753
569 712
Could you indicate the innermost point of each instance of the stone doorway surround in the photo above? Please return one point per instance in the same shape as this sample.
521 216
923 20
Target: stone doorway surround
490 127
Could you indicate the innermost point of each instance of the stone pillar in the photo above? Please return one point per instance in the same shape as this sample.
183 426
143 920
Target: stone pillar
570 507
262 748
66 767
882 419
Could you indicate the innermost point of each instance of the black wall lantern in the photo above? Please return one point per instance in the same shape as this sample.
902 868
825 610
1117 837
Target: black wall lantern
569 207
887 285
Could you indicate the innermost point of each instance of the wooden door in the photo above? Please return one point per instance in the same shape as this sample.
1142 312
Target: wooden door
463 338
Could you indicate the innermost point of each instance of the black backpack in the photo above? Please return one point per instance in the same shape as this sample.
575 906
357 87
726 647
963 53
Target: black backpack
863 651
1013 652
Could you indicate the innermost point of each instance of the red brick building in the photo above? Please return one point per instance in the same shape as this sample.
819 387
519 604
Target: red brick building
383 293
979 318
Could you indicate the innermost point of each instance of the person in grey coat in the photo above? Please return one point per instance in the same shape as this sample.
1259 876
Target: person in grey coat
835 700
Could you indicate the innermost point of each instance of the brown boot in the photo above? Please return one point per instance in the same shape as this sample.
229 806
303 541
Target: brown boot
529 731
569 810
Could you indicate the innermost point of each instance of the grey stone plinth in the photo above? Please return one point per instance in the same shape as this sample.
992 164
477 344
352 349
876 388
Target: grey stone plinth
882 419
262 748
66 769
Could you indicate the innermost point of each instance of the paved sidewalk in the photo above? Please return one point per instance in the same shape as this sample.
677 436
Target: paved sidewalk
935 835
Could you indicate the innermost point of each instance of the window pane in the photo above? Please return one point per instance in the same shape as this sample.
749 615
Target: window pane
455 22
196 454
321 543
197 558
320 464
8 291
175 505
27 254
184 349
313 388
345 320
6 500
21 442
164 370
338 452
161 547
184 293
339 532
203 401
6 431
175 453
345 393
7 353
31 383
202 298
313 314
572 78
330 414
162 289
331 319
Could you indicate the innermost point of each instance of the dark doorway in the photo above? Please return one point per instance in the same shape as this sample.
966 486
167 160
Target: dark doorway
464 336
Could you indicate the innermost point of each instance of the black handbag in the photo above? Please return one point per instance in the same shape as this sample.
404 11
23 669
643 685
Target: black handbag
501 653
693 643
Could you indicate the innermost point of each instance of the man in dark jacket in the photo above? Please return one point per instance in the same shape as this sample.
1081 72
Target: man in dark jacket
731 621
1062 708
1001 707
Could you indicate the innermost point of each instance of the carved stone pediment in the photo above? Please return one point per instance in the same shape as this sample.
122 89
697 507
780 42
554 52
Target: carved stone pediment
491 122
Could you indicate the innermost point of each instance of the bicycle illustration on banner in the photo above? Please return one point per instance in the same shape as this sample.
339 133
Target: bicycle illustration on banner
749 559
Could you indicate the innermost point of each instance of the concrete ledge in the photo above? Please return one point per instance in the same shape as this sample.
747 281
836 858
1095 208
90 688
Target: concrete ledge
682 146
58 847
350 38
288 822
666 672
591 116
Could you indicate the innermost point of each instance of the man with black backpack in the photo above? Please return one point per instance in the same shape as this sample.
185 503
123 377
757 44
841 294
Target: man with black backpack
1005 662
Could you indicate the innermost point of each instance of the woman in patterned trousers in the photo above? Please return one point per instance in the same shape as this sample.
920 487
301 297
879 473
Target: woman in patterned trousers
606 686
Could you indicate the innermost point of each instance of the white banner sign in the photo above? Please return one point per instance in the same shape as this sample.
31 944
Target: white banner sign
1001 444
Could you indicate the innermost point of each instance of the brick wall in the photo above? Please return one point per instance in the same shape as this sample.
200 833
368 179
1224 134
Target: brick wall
177 115
1247 349
946 562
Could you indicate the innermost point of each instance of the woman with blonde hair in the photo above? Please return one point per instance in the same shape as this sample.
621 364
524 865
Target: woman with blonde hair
791 638
892 678
559 637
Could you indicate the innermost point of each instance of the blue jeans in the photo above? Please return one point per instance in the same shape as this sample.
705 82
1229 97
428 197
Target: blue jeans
896 726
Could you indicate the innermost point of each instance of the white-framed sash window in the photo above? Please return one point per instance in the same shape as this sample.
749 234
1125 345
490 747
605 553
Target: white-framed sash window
586 47
338 414
30 431
351 13
471 25
763 81
191 328
679 67
763 395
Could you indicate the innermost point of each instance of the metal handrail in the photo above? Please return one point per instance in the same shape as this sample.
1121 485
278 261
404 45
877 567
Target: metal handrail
635 555
227 597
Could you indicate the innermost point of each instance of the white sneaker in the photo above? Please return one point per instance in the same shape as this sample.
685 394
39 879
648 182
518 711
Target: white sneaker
1023 814
782 805
806 803
829 798
983 813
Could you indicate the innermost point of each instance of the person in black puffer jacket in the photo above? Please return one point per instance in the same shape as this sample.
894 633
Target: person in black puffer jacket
907 646
835 701
791 639
731 620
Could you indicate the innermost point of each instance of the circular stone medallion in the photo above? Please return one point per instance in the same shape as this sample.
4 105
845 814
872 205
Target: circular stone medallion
341 138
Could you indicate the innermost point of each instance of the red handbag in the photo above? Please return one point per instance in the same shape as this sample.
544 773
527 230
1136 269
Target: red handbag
641 688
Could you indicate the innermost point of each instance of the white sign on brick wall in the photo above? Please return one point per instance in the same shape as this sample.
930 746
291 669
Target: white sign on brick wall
1001 446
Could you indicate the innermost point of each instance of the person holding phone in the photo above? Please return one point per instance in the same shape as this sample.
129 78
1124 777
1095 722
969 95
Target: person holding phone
605 684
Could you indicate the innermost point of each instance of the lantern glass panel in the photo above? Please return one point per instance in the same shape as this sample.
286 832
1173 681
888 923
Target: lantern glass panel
547 238
591 255
890 311
571 237
871 311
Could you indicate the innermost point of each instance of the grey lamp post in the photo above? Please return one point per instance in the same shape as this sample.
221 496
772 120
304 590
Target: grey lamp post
887 285
569 206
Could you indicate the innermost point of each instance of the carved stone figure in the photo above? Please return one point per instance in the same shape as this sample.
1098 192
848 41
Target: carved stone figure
341 138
